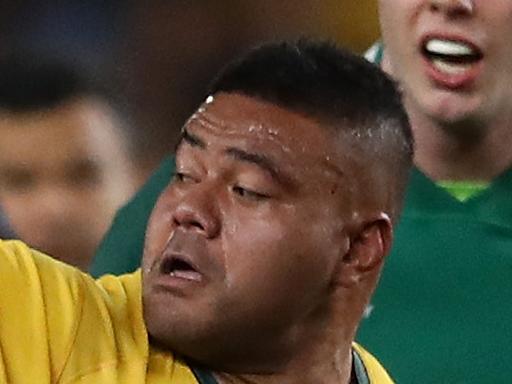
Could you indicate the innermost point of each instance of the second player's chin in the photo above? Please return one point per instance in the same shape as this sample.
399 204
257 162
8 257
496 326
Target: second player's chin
449 109
459 119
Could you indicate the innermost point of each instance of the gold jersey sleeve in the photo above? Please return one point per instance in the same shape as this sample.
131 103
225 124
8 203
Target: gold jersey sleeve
58 325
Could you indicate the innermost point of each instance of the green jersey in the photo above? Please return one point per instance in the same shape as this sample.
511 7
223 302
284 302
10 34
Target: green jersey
441 313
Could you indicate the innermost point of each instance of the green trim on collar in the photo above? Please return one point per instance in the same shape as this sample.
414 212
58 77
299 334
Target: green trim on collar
463 190
203 376
360 375
375 53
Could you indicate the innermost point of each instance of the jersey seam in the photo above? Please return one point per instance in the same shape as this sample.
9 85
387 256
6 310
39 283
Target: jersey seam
75 333
113 362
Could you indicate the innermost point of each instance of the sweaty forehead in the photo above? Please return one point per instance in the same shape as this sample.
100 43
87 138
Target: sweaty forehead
295 141
233 115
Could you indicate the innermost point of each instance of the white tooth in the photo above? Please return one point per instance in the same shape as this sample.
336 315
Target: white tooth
447 47
450 68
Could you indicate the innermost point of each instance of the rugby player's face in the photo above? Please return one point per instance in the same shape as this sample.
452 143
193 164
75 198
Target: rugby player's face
452 57
245 240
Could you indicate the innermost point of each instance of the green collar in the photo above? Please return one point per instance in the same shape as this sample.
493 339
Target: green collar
464 190
424 198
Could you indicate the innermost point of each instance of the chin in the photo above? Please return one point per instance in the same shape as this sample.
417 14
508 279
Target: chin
176 329
208 341
451 110
191 341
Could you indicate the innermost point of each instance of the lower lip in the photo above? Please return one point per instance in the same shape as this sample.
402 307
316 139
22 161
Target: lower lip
458 81
176 283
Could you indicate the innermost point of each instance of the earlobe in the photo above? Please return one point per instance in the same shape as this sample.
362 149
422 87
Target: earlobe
366 252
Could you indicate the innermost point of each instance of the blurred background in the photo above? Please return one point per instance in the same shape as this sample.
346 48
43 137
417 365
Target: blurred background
159 56
162 54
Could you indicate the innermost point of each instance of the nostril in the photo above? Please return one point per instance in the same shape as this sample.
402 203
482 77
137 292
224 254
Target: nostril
194 224
453 8
188 220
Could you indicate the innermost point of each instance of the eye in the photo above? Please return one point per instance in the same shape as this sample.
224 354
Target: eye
18 181
83 174
249 194
181 177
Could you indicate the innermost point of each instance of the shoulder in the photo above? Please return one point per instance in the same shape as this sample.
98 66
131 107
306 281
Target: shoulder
62 323
26 271
41 301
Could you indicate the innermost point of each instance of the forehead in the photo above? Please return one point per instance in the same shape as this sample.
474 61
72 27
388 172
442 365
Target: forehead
234 119
75 130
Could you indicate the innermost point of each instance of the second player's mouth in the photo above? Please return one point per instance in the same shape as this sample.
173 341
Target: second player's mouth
451 57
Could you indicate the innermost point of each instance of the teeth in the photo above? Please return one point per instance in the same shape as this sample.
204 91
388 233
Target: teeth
449 68
187 275
448 47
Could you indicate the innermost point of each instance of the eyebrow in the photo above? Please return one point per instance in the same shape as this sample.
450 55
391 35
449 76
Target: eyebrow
194 141
261 161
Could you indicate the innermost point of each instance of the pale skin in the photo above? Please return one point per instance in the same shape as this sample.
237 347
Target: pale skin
461 121
271 300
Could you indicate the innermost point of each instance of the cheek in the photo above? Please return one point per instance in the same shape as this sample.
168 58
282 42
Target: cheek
281 253
273 270
399 20
389 14
24 213
15 205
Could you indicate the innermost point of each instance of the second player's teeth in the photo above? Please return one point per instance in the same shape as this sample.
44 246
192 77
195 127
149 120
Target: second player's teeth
448 47
449 68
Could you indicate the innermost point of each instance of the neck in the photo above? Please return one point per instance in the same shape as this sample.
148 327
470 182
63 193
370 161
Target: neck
322 354
335 369
463 151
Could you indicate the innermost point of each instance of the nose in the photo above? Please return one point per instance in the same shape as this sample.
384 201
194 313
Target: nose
198 211
453 8
53 202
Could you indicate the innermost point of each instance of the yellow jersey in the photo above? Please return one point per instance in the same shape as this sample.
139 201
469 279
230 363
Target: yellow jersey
59 325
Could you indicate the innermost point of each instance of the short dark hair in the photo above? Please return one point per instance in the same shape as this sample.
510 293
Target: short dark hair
332 85
30 82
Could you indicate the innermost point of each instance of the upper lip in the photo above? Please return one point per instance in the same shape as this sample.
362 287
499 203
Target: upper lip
188 251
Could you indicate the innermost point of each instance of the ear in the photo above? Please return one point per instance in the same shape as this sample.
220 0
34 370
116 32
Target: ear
366 252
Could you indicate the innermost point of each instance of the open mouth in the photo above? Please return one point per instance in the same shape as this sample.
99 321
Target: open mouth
451 57
178 267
